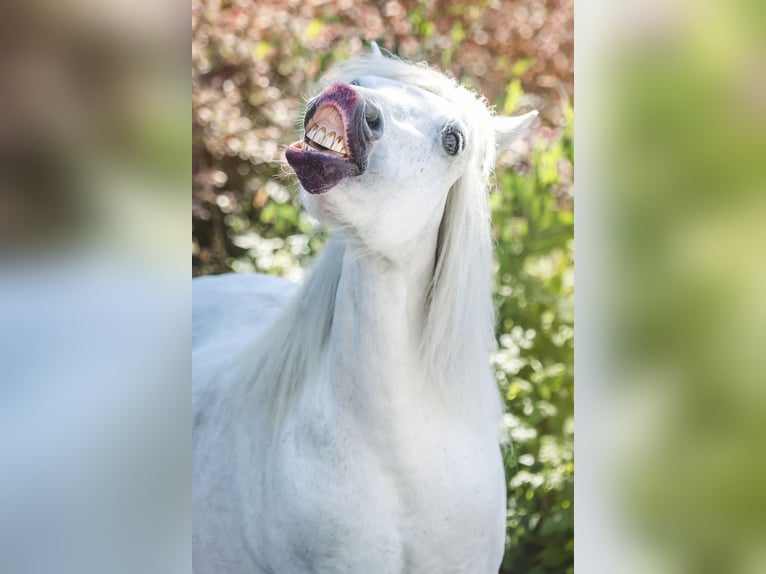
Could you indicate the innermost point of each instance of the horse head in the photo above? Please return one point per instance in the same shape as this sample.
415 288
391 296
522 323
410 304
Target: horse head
385 141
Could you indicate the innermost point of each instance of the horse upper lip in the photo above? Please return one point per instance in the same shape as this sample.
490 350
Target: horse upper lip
322 158
327 128
339 109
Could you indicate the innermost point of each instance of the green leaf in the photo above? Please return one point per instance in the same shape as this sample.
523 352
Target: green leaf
314 28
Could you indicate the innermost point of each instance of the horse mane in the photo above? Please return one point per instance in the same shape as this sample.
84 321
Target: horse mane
459 318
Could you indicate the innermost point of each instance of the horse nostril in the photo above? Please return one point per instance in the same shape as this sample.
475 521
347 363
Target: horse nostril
373 117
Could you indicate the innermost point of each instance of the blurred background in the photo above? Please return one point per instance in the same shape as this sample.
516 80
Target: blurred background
95 463
671 279
93 129
253 66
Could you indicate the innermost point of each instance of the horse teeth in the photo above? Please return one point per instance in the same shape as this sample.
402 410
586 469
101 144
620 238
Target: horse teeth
320 136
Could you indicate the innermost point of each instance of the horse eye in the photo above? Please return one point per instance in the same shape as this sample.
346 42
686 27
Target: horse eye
452 141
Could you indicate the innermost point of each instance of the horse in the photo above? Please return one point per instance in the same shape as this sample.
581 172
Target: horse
350 424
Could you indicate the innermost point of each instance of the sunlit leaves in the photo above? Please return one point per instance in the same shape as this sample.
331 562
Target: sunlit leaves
534 230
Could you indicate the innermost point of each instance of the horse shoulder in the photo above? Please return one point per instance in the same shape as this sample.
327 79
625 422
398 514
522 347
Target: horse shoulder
229 313
233 301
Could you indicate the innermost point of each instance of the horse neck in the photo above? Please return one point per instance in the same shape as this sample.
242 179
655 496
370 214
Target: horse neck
374 358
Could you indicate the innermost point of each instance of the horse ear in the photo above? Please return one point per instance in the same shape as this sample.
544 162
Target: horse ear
375 50
508 128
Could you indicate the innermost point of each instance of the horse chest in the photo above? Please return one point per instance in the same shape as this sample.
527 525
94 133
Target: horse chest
418 496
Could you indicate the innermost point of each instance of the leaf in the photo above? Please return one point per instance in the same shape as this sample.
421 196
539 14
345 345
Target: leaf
314 29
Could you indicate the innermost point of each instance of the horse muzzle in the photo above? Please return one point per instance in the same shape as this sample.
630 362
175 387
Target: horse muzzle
339 129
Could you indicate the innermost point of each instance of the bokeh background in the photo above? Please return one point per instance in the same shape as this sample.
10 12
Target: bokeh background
253 66
95 323
671 278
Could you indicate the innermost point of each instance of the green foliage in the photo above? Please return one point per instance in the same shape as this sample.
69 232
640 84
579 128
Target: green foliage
535 362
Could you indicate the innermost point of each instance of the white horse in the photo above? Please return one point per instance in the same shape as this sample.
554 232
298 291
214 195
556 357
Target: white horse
350 425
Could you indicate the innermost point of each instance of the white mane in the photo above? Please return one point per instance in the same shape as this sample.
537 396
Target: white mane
458 321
